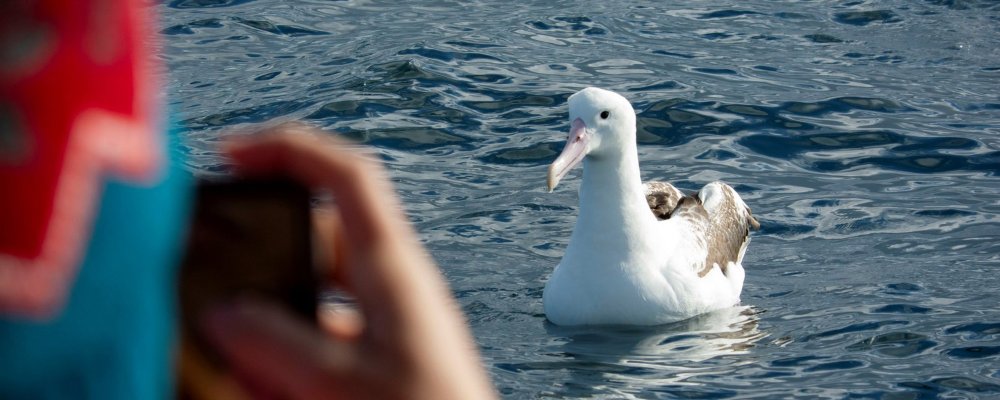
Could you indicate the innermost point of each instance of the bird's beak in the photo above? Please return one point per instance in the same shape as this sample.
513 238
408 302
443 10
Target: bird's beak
572 154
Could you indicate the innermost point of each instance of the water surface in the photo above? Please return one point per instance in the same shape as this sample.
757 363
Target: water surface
865 135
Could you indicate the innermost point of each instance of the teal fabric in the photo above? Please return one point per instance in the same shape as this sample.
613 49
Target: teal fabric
114 338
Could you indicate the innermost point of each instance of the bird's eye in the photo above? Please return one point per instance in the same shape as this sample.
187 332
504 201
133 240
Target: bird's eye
605 114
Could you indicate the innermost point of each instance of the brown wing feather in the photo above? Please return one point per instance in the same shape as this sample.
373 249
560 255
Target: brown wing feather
662 198
726 221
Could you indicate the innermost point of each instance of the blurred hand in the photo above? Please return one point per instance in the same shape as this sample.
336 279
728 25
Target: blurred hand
411 340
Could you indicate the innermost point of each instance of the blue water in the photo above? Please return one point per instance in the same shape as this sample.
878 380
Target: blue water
865 135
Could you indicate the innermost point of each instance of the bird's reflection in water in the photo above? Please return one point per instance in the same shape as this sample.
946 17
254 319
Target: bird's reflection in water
632 359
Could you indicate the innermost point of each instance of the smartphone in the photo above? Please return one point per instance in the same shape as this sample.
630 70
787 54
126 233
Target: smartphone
247 238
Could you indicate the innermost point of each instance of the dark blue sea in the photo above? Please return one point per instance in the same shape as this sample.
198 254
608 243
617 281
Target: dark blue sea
865 135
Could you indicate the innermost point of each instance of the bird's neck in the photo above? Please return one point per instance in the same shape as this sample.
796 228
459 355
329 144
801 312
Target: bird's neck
612 200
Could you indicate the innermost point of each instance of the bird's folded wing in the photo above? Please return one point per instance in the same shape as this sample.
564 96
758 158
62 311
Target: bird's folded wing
717 215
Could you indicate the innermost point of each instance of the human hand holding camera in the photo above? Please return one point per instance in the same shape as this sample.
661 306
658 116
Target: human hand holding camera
410 340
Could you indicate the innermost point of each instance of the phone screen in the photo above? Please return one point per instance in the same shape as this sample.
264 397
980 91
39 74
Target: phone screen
247 238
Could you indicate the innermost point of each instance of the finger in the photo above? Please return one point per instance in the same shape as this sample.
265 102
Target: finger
388 270
341 321
329 244
275 350
325 162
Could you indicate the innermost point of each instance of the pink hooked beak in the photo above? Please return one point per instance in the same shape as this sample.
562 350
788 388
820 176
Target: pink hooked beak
572 154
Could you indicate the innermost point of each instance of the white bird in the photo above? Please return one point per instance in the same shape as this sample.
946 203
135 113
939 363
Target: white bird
640 254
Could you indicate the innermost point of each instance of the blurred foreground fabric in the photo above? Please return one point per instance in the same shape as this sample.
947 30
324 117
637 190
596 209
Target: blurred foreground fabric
93 206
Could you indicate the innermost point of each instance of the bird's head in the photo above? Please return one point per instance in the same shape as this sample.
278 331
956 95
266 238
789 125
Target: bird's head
601 123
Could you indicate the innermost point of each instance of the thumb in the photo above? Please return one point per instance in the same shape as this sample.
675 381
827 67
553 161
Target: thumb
279 352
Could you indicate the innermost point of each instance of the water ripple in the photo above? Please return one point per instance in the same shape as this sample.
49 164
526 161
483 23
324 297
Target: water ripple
863 18
206 3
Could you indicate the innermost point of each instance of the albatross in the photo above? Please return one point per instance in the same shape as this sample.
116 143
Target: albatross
639 254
